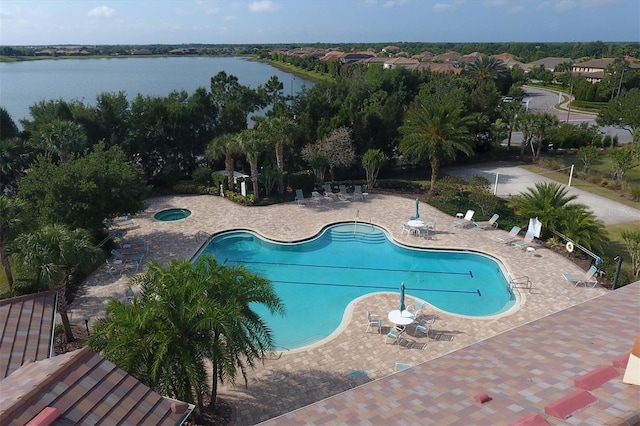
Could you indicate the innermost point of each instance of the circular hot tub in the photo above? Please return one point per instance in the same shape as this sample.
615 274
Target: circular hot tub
170 215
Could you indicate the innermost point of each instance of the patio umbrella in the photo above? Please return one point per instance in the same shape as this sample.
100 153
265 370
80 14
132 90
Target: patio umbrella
417 215
402 307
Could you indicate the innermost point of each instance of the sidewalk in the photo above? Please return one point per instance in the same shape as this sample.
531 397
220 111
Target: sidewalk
514 180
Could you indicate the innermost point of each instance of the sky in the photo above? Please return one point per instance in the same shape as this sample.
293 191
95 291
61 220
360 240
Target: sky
91 22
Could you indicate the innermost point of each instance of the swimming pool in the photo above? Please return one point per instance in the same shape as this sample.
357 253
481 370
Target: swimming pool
318 278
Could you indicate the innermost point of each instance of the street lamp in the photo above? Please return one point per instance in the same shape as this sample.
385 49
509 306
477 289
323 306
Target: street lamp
618 266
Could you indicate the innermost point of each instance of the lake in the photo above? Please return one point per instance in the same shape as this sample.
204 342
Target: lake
24 83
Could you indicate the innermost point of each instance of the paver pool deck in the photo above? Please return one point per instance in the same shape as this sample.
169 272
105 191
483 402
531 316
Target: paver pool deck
290 380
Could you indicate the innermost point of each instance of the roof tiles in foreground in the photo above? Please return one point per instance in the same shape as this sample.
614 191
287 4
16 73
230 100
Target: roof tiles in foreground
530 371
83 388
26 330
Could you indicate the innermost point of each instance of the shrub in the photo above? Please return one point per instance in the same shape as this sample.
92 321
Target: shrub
202 175
304 180
236 197
480 181
634 192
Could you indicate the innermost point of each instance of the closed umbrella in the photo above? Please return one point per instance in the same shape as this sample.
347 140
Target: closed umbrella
417 215
402 307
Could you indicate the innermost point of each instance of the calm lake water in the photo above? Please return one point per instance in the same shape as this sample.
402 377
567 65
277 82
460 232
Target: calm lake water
24 83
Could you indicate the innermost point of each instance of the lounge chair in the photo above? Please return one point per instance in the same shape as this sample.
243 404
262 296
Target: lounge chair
328 193
400 366
343 194
316 197
300 197
491 223
588 278
513 234
528 239
466 221
357 193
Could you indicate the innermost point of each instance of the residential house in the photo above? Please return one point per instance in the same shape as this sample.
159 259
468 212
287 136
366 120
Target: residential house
594 70
546 63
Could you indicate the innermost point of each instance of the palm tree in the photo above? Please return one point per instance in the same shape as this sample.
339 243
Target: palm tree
579 224
250 142
510 112
61 137
53 254
546 201
227 146
13 213
485 69
164 337
244 337
433 132
280 131
184 315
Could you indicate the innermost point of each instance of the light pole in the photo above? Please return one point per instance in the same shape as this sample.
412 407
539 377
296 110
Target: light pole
618 266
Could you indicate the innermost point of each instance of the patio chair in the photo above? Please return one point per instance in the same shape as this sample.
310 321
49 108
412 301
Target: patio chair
466 221
513 234
394 336
491 223
316 197
406 228
300 197
588 278
373 320
425 327
528 239
328 193
343 194
416 308
400 366
357 193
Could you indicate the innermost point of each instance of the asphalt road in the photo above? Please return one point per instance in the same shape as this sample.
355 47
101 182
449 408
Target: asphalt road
514 180
540 100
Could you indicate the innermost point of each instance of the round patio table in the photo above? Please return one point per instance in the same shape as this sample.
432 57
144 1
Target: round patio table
401 318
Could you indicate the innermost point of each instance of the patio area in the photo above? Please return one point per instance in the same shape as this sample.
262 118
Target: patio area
351 357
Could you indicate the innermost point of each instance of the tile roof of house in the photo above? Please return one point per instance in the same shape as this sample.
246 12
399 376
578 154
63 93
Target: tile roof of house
26 326
595 63
548 63
435 67
568 364
81 387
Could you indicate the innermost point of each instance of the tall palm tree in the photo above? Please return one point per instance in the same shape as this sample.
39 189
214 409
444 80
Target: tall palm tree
485 69
13 212
280 131
227 146
433 132
510 112
251 143
53 254
244 337
547 202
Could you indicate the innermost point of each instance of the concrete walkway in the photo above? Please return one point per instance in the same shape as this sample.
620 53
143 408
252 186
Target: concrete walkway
515 180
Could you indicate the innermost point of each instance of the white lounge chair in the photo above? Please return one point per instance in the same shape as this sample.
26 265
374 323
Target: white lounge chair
466 221
357 193
491 223
316 197
528 239
329 194
343 194
588 278
513 234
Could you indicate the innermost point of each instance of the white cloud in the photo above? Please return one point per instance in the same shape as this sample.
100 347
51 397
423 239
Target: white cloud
102 12
514 10
393 3
448 7
207 7
564 5
262 6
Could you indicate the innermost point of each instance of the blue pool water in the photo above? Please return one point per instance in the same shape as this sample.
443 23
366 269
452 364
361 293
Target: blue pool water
318 278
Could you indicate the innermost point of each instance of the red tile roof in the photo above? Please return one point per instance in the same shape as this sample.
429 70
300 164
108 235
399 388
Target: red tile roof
86 389
26 330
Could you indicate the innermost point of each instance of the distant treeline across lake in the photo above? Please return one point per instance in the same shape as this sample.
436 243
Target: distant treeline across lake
24 83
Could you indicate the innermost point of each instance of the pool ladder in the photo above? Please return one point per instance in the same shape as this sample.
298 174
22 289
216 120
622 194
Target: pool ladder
357 219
